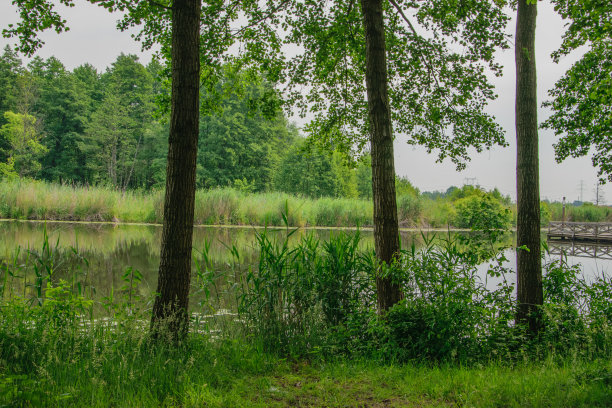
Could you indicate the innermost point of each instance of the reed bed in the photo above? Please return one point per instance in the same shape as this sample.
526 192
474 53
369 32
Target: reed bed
35 200
583 213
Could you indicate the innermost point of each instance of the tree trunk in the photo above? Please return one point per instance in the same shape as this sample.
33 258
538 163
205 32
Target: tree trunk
529 267
386 228
131 171
112 168
170 311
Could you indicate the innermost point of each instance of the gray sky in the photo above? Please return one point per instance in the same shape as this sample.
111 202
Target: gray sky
93 39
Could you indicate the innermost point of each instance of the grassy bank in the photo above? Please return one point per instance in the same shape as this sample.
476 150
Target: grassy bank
304 331
35 200
586 212
42 201
124 373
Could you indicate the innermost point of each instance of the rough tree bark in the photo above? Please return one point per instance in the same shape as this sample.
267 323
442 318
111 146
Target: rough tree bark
170 311
529 268
386 227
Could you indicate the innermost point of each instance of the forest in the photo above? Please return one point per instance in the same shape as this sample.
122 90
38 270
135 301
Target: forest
89 128
477 313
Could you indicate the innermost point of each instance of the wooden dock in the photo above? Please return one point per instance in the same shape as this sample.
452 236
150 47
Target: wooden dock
580 231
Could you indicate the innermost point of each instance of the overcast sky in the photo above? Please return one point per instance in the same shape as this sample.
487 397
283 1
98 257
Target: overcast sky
93 39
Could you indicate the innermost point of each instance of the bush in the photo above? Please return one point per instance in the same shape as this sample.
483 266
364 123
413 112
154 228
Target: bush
439 213
409 210
545 213
482 213
577 314
314 297
422 330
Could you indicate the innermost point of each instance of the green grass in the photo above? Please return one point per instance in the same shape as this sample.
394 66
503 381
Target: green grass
301 336
37 200
345 384
105 370
586 212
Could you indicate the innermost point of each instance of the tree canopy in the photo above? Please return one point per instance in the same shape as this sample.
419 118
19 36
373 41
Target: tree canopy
437 51
582 99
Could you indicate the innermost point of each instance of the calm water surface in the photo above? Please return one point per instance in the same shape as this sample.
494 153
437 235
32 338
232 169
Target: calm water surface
110 249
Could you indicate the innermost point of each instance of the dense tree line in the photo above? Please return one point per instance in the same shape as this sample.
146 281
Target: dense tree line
80 126
87 127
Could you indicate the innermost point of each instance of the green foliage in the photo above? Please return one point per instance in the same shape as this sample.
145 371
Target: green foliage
7 170
585 212
62 308
581 109
23 199
433 89
545 213
10 69
104 129
346 177
341 211
23 137
313 301
240 141
582 97
482 212
576 312
116 131
363 175
449 314
308 170
297 294
403 187
423 330
409 209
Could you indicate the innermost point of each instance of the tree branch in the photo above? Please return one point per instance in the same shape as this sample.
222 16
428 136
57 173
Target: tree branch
401 13
156 4
420 38
266 16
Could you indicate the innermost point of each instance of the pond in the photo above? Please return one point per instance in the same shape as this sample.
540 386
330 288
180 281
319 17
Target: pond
111 248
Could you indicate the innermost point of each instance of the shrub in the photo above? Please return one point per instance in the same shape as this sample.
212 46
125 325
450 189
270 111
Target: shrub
409 209
483 213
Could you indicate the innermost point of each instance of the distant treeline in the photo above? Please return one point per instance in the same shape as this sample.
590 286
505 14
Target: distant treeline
84 127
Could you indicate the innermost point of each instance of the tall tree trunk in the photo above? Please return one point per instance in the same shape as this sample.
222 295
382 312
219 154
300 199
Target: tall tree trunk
386 228
170 311
529 267
131 171
112 169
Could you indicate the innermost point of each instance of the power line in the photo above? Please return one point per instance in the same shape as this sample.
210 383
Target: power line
470 181
599 195
581 188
